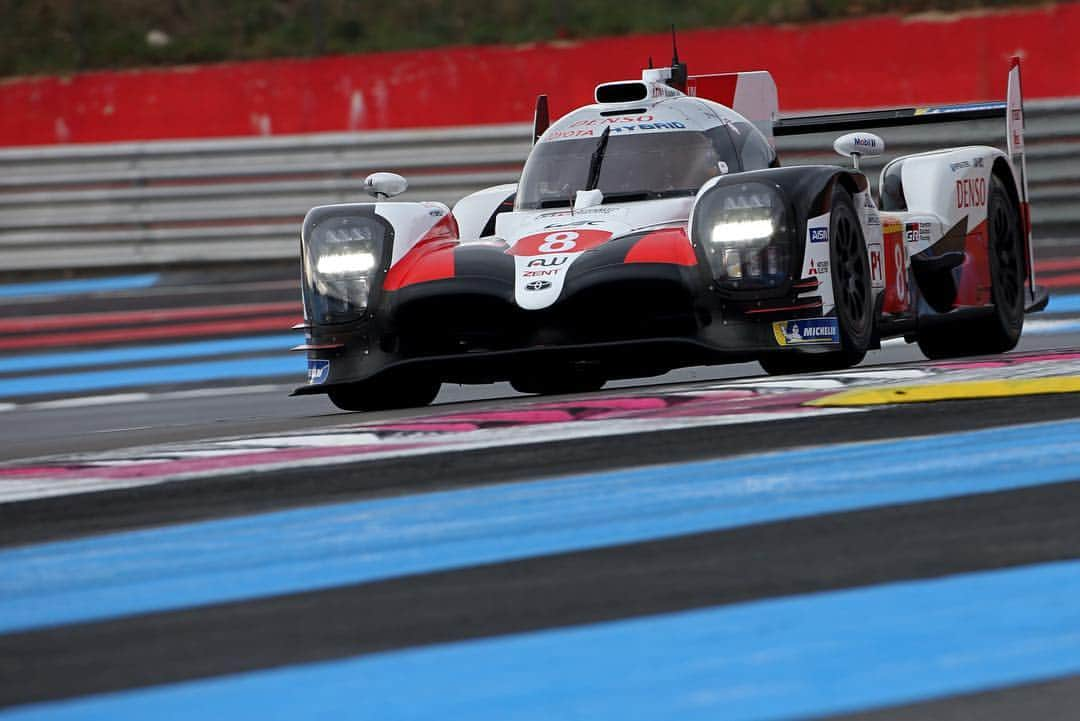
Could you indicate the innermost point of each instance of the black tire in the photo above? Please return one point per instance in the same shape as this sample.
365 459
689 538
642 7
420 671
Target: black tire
383 394
850 272
559 381
1000 331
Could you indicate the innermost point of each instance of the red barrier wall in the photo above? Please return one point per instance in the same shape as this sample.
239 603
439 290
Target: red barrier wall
873 62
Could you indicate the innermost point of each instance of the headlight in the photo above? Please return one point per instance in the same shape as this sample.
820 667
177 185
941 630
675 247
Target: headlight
345 264
342 254
743 230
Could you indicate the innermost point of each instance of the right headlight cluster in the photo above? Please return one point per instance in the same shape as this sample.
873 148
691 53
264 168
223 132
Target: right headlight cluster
342 255
743 230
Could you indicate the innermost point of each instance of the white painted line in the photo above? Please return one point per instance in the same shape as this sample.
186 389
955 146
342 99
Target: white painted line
782 383
1051 327
315 440
215 392
888 375
88 401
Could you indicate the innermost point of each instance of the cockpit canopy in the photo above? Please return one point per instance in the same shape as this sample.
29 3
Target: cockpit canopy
640 165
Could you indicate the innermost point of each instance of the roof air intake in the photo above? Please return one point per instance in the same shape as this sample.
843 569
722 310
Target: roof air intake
631 92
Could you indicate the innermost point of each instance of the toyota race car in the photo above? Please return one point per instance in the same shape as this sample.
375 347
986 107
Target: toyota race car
657 229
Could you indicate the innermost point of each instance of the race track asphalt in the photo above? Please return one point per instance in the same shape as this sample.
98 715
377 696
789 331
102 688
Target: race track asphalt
911 561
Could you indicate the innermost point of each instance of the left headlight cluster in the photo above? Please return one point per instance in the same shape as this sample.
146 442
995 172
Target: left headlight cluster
342 255
743 229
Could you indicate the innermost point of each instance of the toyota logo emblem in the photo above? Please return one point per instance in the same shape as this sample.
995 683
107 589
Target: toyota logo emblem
538 285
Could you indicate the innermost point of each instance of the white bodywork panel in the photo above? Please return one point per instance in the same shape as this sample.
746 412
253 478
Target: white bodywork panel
411 222
947 185
875 247
665 114
816 261
474 210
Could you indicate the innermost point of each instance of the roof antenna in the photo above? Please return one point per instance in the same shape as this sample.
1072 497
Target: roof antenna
679 74
650 62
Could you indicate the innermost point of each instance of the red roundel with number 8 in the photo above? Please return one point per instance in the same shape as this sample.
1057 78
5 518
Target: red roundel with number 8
559 241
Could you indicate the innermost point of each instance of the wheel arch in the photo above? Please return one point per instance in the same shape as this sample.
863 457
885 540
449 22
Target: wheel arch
850 182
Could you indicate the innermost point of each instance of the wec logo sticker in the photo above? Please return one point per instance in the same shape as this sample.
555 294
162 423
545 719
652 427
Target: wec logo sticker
317 371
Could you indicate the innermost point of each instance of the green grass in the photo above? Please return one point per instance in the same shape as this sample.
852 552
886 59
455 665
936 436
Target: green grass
60 36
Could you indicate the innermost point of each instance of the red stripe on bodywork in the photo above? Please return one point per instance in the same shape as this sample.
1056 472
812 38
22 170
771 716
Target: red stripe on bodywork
719 88
669 245
432 258
974 286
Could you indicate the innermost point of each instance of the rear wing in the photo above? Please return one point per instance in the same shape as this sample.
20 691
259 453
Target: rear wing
892 118
1012 111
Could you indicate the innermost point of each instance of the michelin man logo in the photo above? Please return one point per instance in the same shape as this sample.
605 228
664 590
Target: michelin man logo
810 330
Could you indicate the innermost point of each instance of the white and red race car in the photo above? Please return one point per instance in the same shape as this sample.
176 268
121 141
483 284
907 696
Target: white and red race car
656 229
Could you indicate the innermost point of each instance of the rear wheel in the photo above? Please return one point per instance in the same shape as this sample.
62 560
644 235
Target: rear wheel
852 291
1000 330
382 394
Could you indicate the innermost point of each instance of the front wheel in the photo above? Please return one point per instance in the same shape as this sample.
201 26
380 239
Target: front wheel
1000 330
852 293
381 394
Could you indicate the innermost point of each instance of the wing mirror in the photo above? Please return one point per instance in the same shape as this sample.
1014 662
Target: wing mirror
587 199
857 145
385 185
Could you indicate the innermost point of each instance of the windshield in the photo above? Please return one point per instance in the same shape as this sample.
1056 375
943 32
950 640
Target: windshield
634 167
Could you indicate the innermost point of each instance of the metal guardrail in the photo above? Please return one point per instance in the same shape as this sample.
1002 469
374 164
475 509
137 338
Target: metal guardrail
158 203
